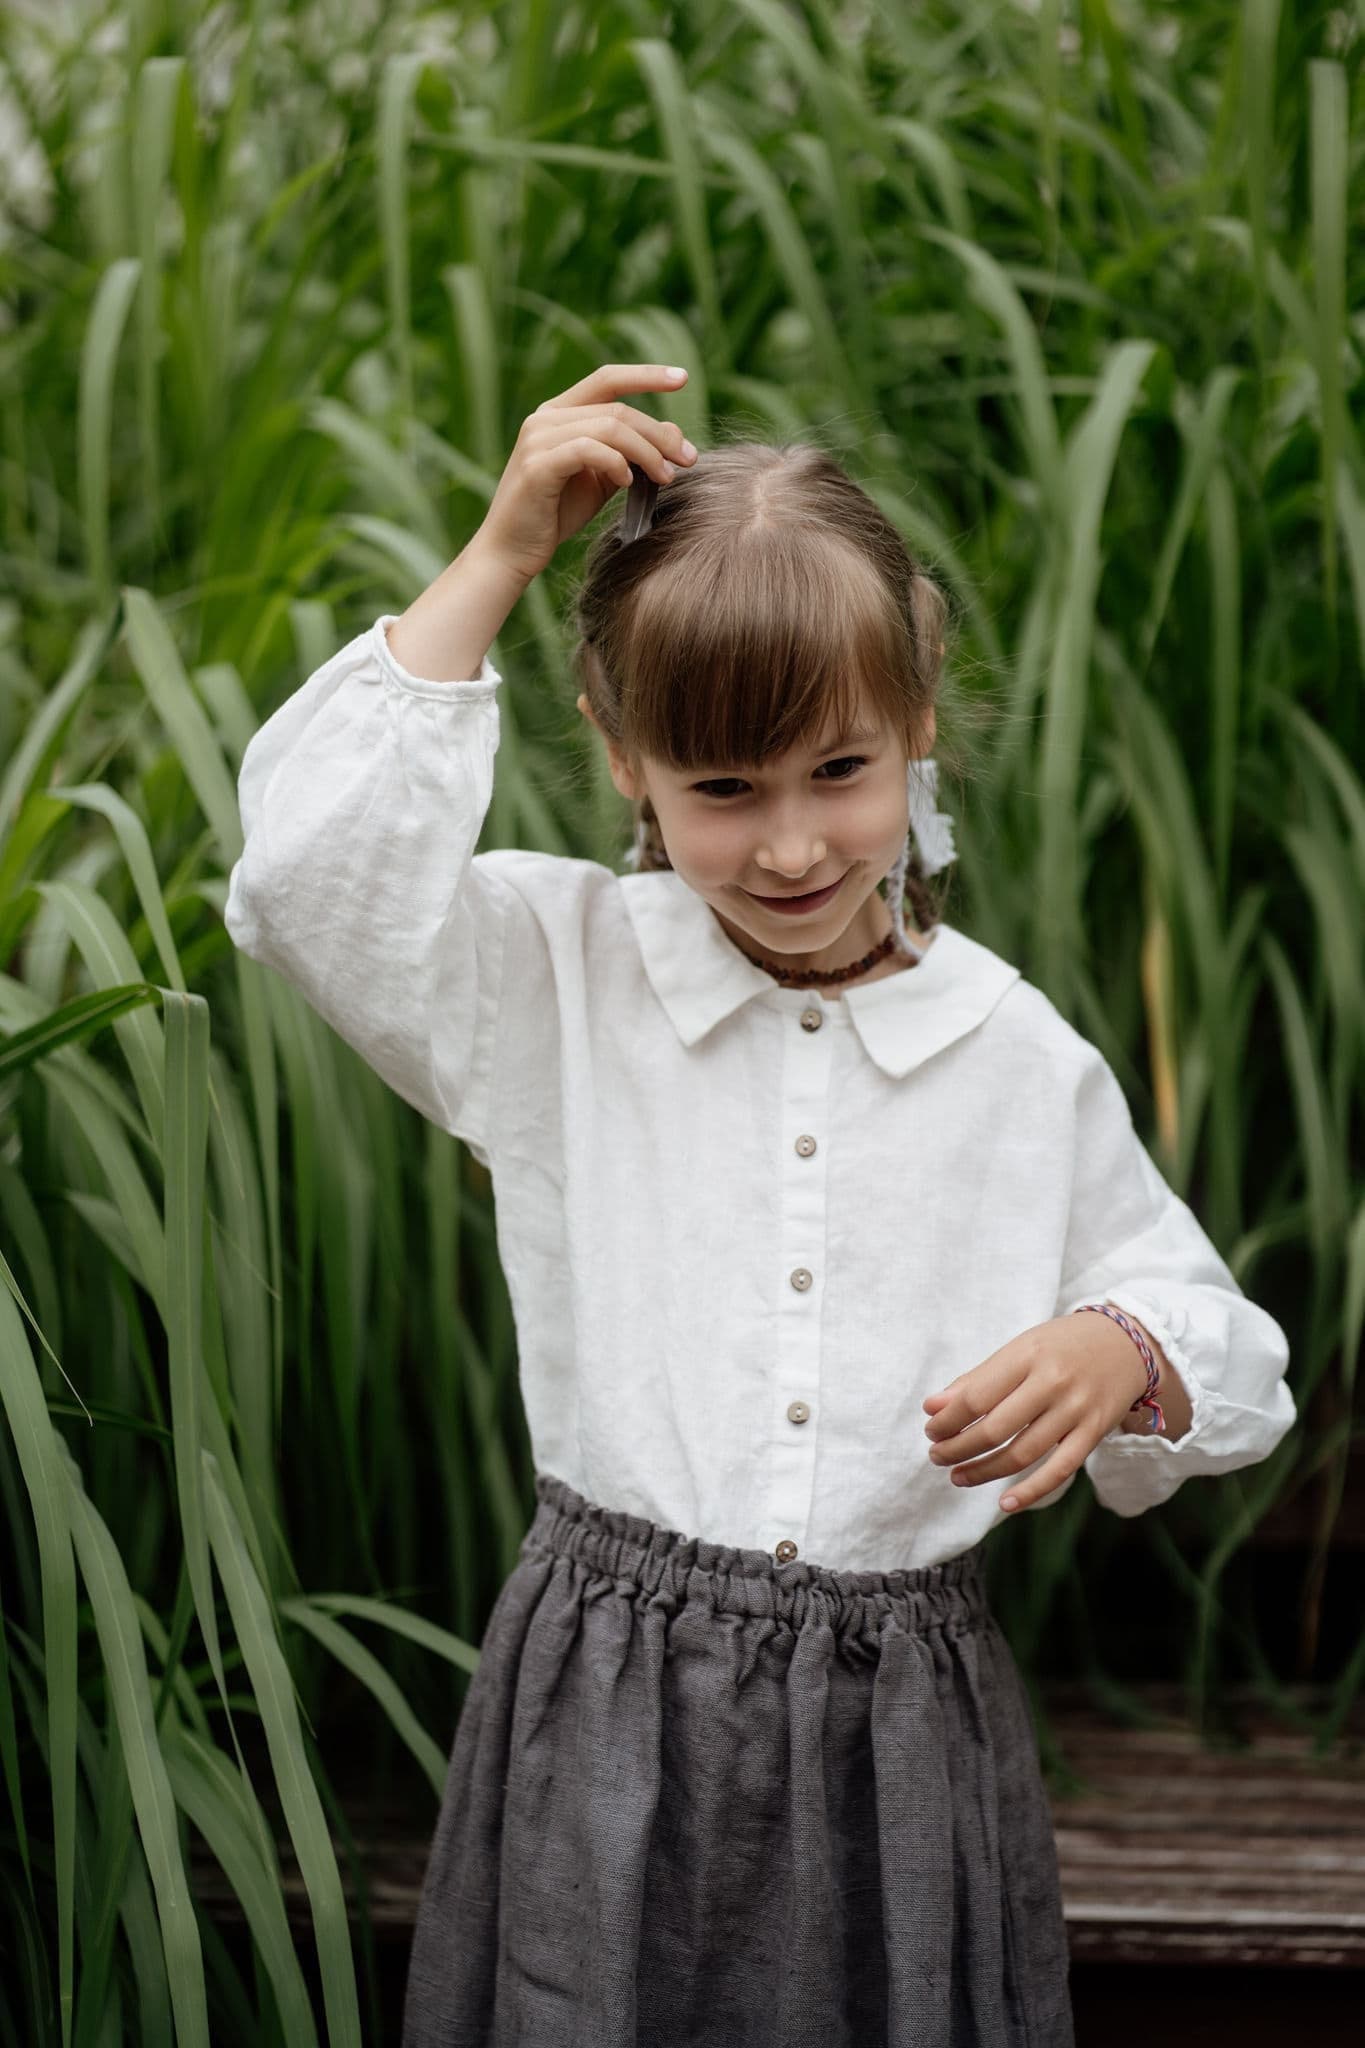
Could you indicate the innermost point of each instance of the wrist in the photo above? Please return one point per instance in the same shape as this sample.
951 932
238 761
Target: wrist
1171 1395
1144 1413
445 634
512 577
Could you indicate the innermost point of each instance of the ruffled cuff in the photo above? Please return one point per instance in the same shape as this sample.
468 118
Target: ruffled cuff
486 680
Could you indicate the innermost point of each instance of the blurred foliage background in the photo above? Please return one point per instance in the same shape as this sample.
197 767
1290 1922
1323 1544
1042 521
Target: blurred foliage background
1071 289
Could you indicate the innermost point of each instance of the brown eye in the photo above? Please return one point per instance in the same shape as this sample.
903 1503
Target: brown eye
723 786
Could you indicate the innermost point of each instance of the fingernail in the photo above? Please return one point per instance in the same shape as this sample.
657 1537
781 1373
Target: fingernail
1010 1500
689 451
674 370
669 470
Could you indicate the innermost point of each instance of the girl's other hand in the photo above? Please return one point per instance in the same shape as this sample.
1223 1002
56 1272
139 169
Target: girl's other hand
572 454
1058 1387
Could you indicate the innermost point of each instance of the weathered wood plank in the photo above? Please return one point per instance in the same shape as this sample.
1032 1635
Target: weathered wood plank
1172 1850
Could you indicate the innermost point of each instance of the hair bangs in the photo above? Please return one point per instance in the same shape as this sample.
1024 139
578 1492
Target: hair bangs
737 653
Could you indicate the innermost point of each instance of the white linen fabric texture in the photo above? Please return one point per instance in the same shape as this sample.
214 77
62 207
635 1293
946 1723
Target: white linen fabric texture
683 1264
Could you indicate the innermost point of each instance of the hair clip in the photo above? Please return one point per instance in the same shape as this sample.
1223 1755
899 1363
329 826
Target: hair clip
640 500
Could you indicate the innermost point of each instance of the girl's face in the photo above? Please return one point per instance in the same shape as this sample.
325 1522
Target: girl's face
831 814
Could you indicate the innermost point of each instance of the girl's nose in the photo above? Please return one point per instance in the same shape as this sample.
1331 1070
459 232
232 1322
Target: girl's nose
787 860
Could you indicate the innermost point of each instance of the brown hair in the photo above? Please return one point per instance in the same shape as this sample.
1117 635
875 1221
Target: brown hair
740 622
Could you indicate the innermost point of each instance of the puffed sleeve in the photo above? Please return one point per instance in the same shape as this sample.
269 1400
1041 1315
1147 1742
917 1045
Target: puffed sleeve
362 798
1133 1242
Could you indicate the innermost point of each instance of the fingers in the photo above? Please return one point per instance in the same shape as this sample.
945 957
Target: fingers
650 443
641 439
985 1410
610 378
564 459
985 1390
1068 1455
1016 1429
1007 1448
1067 1460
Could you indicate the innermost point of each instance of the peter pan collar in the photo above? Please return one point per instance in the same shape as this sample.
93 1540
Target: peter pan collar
700 976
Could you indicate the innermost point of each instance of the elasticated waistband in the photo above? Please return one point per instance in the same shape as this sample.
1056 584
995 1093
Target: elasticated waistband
641 1556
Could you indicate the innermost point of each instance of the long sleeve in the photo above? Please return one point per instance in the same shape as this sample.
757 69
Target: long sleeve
361 801
1132 1241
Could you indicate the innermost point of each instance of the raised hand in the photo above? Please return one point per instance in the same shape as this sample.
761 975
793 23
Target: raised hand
572 454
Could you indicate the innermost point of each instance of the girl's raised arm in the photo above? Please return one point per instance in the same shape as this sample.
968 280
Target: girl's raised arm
363 796
572 454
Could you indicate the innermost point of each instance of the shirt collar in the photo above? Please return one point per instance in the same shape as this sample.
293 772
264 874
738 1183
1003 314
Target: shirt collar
700 976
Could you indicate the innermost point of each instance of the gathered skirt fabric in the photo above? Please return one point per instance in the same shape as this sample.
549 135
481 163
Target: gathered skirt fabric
700 1799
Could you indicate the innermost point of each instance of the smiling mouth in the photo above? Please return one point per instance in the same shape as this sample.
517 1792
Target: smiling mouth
811 899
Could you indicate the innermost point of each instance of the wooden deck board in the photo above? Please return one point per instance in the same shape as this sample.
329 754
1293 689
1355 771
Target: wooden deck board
1172 1850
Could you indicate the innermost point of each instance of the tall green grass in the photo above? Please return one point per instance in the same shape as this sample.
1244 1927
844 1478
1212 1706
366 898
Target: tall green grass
1072 290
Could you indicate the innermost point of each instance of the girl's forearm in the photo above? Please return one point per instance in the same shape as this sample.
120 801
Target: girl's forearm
445 633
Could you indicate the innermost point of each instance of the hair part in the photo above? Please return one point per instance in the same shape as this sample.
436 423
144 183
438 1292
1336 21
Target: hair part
743 621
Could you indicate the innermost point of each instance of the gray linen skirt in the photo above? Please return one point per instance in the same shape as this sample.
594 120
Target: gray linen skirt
700 1799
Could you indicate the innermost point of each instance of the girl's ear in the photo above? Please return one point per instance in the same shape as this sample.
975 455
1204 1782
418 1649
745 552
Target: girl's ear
928 732
627 785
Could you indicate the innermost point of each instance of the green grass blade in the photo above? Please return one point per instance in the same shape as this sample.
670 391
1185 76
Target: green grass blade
992 290
1330 149
41 1453
668 91
74 1024
44 729
1202 425
365 1667
790 249
99 361
112 964
194 1770
136 849
159 86
157 662
130 1693
415 1627
393 129
273 1687
476 347
1089 467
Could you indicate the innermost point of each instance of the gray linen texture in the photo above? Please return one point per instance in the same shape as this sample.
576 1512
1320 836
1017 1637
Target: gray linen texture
698 1799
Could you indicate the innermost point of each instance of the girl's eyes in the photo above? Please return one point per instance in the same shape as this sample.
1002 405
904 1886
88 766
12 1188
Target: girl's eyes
720 785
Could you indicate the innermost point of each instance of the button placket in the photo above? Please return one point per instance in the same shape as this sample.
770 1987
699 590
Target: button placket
808 1052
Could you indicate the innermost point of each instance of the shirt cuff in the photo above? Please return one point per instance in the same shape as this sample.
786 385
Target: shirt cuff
486 680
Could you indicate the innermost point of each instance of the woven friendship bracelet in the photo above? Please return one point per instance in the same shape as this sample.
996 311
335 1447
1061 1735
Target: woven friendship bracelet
1148 1398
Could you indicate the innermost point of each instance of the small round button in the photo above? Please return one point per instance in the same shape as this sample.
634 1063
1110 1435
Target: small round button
805 1144
785 1551
811 1019
798 1411
801 1278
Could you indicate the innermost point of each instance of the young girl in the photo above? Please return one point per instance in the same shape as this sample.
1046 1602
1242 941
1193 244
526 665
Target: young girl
830 1244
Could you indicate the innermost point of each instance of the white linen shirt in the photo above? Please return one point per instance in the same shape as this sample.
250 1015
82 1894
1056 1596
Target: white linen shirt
746 1229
